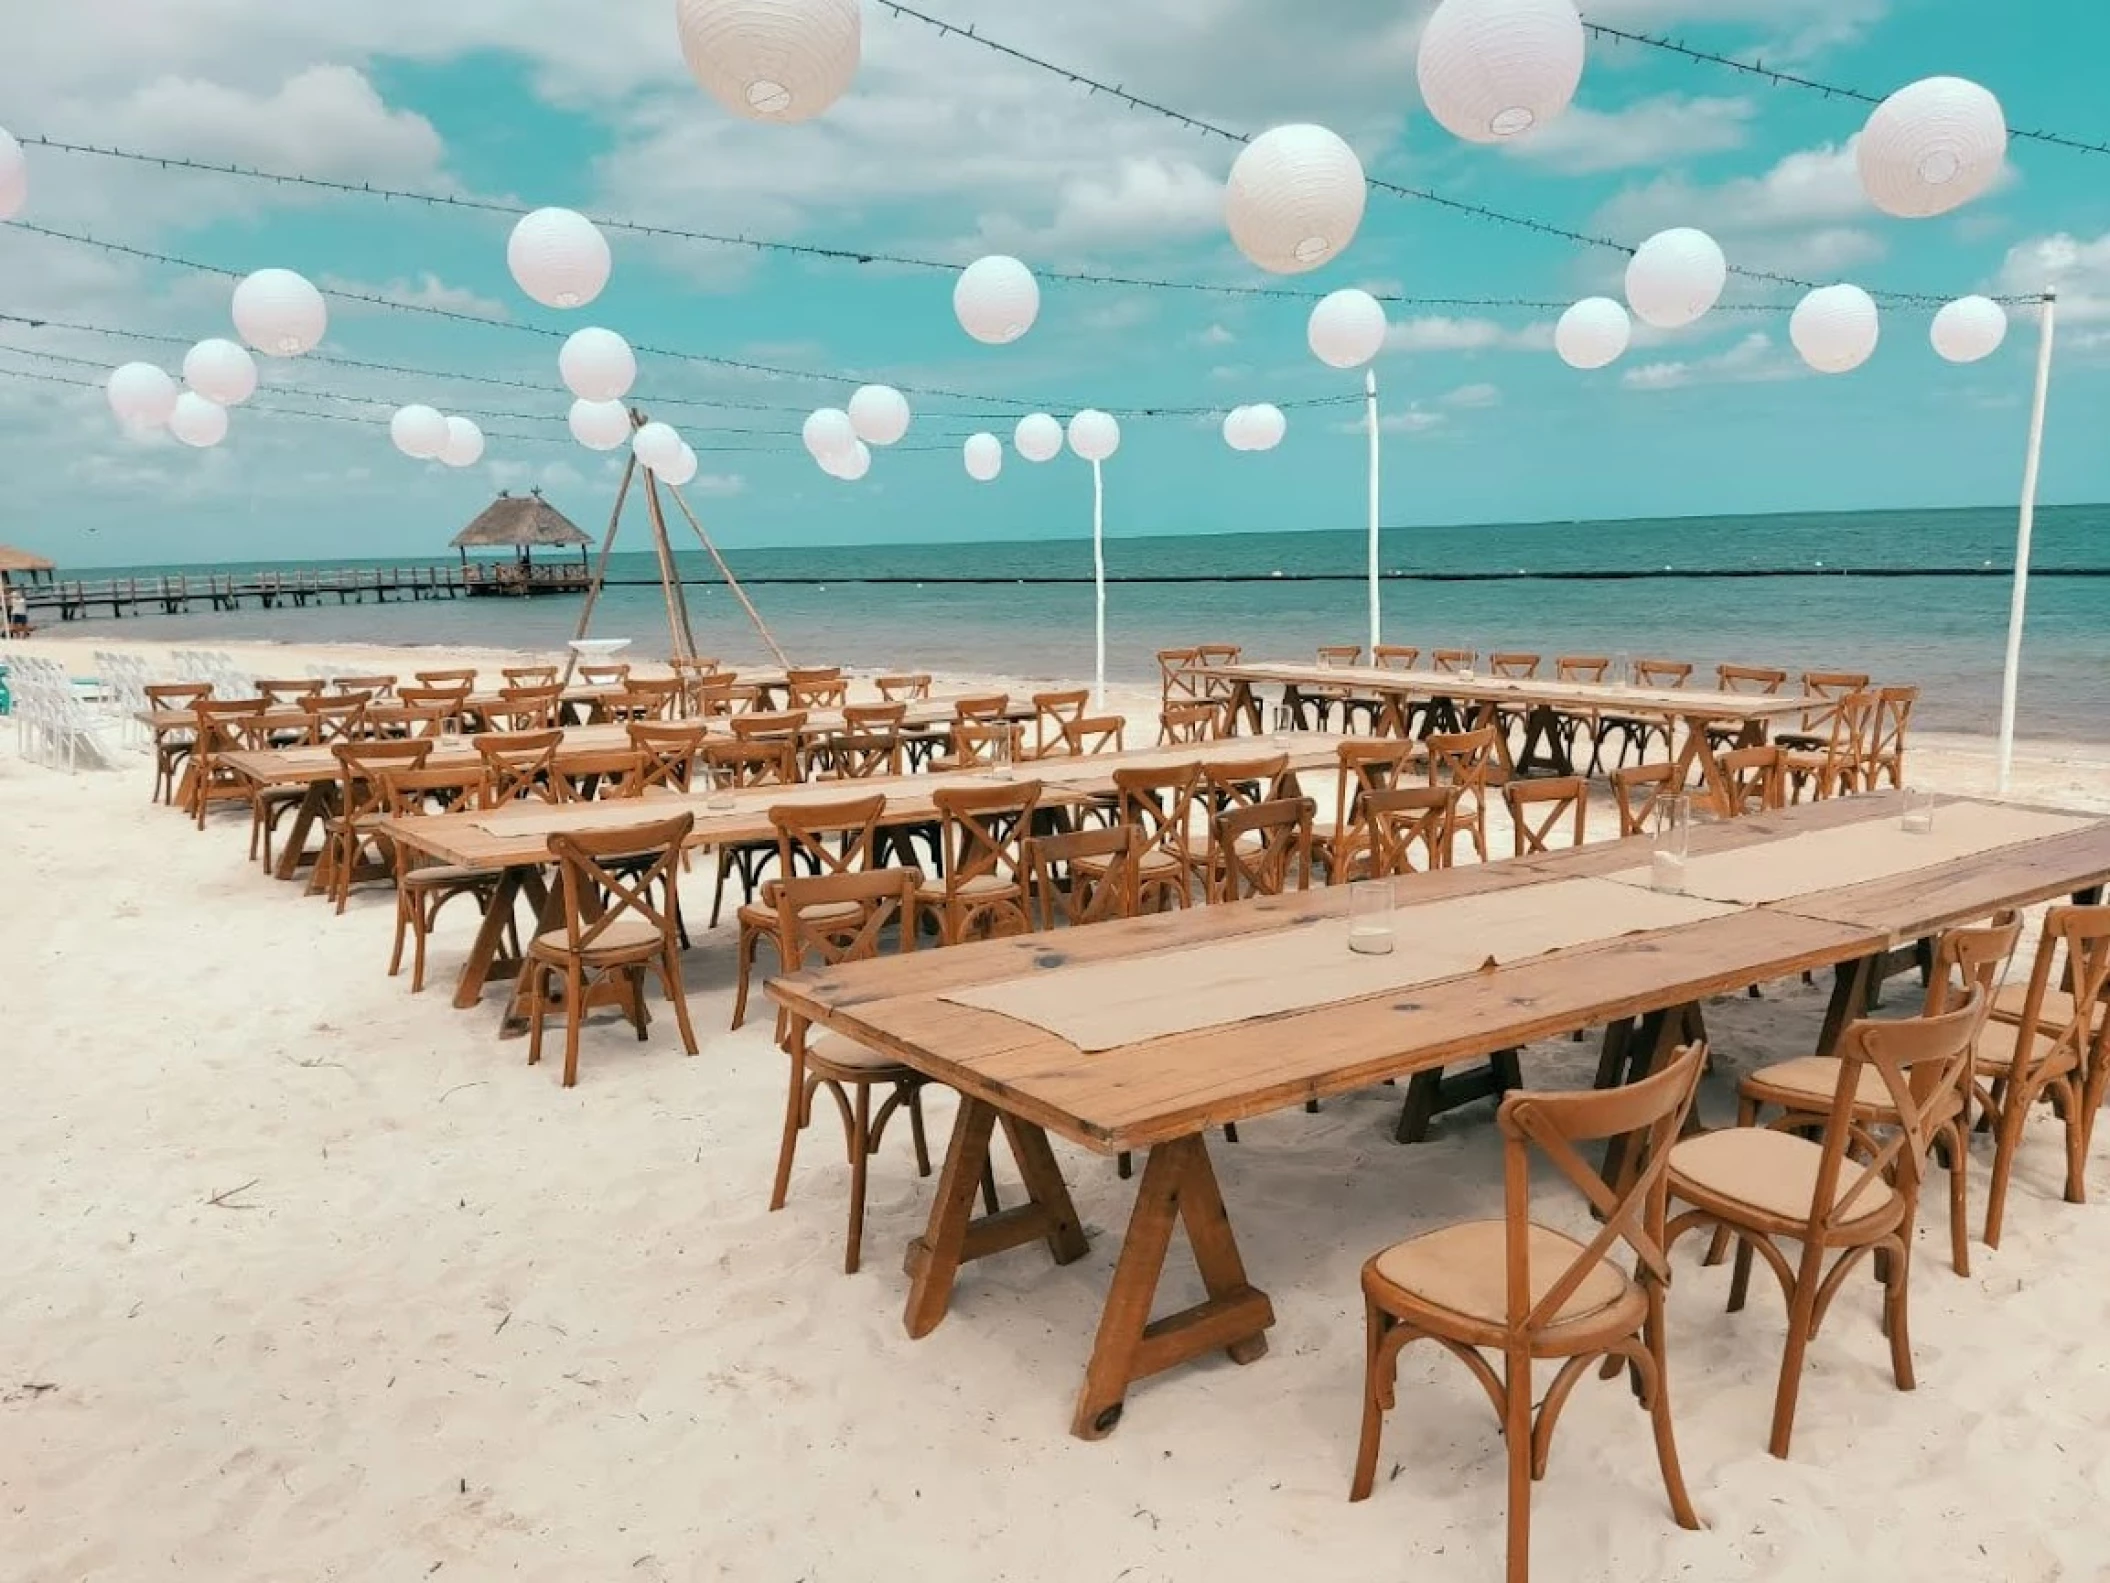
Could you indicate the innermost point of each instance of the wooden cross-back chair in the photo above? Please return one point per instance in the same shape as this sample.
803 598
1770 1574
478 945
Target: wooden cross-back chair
355 849
671 751
615 674
379 686
1760 681
812 838
1362 767
862 756
337 717
529 675
1094 734
283 691
1406 829
423 703
1885 758
743 766
609 773
621 900
828 692
1825 689
710 697
641 699
770 725
1452 662
1514 666
1501 1295
906 689
1229 784
463 680
1754 778
875 717
1635 789
1426 717
1179 677
1465 761
1394 656
1263 849
1338 654
1183 725
2060 1053
1803 1089
1105 888
269 805
1835 769
1158 802
519 766
983 892
981 744
1851 1194
223 726
1539 808
525 709
1581 667
172 749
423 886
1577 725
1636 730
1052 714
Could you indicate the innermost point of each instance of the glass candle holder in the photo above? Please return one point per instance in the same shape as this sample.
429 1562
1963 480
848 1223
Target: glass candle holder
1918 815
450 725
1370 917
717 790
1622 673
1669 845
1285 724
1000 757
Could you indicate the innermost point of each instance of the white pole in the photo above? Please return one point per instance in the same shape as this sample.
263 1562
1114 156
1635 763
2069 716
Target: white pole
2011 675
1099 582
1370 402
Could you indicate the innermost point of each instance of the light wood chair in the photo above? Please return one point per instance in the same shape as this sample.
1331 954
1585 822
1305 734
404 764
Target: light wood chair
1760 681
223 726
621 896
1228 784
1094 734
1756 781
1402 821
861 756
1362 767
519 766
1537 809
1636 730
454 680
1465 762
1053 714
983 892
1104 889
1335 655
1824 689
672 751
903 689
424 887
641 699
1183 725
280 692
529 675
1262 849
1158 802
353 832
525 709
1514 667
1635 788
608 675
379 686
812 838
1394 656
1885 759
608 774
1842 1198
745 766
821 692
1453 662
172 748
1835 771
1500 1295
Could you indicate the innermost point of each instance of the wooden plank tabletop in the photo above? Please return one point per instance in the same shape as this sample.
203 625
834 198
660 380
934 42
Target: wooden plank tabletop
1369 679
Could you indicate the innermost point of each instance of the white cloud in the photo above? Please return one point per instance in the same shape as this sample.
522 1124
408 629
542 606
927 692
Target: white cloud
1411 420
1482 395
2079 269
1215 335
1654 131
326 121
427 290
1754 359
1441 333
717 484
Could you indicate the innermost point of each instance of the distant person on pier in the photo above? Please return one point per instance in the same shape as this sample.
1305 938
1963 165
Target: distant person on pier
17 614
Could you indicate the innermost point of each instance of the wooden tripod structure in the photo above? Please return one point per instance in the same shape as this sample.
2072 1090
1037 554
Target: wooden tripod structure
681 637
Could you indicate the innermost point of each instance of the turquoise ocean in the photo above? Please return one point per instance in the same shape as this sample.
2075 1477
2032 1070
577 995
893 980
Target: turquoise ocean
1467 587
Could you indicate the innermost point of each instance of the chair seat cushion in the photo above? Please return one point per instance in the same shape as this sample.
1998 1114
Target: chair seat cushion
624 937
977 888
1810 1082
761 915
439 874
1770 1174
1463 1269
833 1052
2055 1012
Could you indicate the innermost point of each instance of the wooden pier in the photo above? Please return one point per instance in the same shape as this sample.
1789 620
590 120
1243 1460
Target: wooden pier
75 599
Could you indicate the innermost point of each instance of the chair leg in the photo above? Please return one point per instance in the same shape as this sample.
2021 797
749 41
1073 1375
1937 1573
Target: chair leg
574 1015
670 979
2014 1105
797 1106
420 928
915 1129
745 957
859 1154
1516 1432
1801 1314
1658 1403
537 998
404 901
1374 1359
1897 1292
1959 1199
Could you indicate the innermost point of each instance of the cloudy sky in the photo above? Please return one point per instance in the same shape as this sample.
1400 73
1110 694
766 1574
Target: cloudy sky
945 150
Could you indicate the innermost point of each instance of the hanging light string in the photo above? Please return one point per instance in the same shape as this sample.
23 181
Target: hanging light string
1789 79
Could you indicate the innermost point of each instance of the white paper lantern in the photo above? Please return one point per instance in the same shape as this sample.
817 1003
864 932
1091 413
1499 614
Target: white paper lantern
1931 146
879 414
221 372
682 471
1834 328
141 395
1347 328
465 443
828 432
1038 437
1969 328
196 421
772 60
1094 435
559 258
1295 198
600 425
1674 277
280 313
14 176
996 299
850 465
1264 427
1236 423
597 365
419 431
984 456
657 446
1592 333
1494 69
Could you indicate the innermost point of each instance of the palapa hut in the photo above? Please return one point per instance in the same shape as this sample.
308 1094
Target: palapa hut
16 568
522 524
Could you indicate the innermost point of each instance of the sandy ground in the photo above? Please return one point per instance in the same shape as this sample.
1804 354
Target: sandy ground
308 1277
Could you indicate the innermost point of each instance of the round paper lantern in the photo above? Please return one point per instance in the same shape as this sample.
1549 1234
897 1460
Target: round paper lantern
997 299
419 431
1264 427
600 425
657 445
1295 198
1237 429
280 313
1094 435
465 444
141 395
559 258
1038 437
597 365
828 432
1834 328
1592 333
221 372
682 471
1492 69
1969 328
879 414
1674 277
771 60
14 176
984 455
1347 328
850 465
196 421
1932 145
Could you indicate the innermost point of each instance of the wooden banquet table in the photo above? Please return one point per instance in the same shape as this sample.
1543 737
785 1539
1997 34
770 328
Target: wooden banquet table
1153 1031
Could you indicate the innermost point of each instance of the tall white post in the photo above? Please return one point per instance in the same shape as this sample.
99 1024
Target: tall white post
2020 598
1370 403
1099 583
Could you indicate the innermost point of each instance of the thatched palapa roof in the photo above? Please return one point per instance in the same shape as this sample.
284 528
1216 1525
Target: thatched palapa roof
515 521
14 560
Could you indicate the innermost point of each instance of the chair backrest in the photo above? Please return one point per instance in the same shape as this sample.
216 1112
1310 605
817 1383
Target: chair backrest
2081 935
1753 679
1452 661
737 764
376 685
1538 807
1651 1112
981 709
529 675
599 894
903 689
1052 712
1243 783
1971 958
712 697
811 675
1635 789
1106 888
1581 667
1662 673
415 793
1462 760
226 725
461 680
432 697
608 773
863 755
519 766
1852 733
670 749
1179 676
875 717
361 766
1755 780
336 717
1366 765
984 834
826 837
1184 724
1401 824
1262 849
1893 715
286 691
177 697
1514 667
1340 654
829 919
525 708
776 725
1159 801
1827 688
1920 1062
1094 734
1394 656
830 692
604 675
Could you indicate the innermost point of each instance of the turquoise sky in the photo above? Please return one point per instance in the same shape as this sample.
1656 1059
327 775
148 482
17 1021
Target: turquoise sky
946 150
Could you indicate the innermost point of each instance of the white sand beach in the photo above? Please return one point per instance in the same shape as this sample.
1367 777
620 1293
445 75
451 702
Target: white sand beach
311 1277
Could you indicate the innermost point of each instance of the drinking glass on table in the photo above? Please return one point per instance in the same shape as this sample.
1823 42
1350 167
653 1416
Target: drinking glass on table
1622 671
1672 840
1285 724
1000 755
1370 917
450 726
1918 816
718 789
